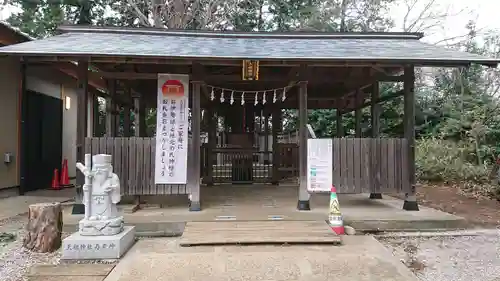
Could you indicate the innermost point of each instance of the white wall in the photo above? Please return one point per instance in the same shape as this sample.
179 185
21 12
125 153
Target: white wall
10 80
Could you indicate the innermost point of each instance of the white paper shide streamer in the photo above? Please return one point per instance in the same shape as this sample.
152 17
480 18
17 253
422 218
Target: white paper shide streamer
234 92
212 95
222 100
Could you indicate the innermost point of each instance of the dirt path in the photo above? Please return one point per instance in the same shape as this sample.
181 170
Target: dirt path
461 258
479 212
453 258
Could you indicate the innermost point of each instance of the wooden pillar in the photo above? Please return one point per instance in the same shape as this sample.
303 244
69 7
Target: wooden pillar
375 161
137 116
340 127
266 138
143 129
410 203
126 114
110 108
116 119
375 110
276 122
194 183
358 114
97 132
303 202
137 133
90 115
212 135
81 131
357 117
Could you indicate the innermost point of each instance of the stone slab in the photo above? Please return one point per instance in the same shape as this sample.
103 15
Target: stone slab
65 278
78 247
71 270
358 210
362 258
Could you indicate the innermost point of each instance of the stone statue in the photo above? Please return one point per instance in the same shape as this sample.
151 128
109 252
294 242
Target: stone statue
101 193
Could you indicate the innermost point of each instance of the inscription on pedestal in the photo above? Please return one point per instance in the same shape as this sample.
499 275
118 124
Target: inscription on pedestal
78 246
89 247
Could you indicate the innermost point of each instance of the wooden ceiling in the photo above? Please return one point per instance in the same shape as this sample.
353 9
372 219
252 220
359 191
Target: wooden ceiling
328 87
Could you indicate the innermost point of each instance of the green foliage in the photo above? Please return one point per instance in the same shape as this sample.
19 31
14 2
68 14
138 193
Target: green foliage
448 161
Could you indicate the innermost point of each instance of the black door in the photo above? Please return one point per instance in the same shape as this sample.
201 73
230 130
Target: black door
41 140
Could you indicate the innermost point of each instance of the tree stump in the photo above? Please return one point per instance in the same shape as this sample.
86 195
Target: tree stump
44 227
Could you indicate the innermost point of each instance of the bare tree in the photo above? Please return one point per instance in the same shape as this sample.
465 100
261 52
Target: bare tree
430 17
180 14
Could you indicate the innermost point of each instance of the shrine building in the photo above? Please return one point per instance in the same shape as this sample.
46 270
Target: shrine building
240 89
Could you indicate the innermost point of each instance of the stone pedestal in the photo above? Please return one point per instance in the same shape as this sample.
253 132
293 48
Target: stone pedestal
78 247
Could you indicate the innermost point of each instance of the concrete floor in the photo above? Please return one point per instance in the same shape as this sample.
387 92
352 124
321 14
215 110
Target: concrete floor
361 258
260 202
16 205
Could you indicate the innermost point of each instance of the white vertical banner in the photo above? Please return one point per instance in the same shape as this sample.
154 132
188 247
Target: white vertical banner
172 129
319 165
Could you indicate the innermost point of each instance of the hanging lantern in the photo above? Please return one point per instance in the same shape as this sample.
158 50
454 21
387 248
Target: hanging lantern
256 99
212 94
283 97
274 96
231 100
243 98
264 98
222 96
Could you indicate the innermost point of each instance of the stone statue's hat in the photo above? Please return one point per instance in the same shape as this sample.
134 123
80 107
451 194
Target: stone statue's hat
102 159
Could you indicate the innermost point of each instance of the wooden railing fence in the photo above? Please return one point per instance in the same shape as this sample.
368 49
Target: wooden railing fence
134 163
360 164
370 165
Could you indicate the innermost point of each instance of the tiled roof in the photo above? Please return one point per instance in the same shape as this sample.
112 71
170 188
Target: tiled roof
389 47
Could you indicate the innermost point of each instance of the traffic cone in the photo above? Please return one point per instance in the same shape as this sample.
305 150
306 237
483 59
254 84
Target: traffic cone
335 217
64 174
55 180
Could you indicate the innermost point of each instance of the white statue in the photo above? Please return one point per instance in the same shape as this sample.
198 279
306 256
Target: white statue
101 193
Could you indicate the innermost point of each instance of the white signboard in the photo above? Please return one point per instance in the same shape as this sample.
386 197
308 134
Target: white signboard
172 129
319 165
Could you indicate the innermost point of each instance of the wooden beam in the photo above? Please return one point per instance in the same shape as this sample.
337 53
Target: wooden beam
380 100
274 77
232 62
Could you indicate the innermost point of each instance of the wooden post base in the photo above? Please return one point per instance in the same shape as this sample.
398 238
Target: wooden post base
44 227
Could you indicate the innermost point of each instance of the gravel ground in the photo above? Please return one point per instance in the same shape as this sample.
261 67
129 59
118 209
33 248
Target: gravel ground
450 258
15 261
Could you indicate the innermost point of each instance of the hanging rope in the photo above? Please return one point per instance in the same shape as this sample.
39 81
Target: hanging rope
261 93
